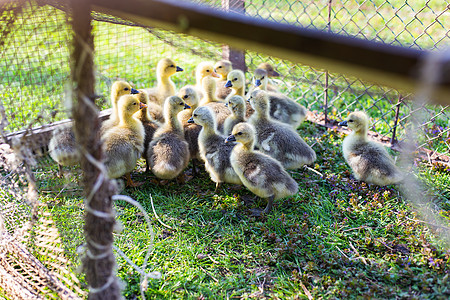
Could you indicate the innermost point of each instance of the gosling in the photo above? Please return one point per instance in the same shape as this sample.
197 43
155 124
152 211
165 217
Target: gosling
213 150
277 139
260 173
236 104
168 153
369 160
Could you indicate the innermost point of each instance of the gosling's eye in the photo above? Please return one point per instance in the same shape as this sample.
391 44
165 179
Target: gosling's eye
195 115
181 103
351 121
134 103
126 89
219 67
234 79
172 66
207 70
185 96
262 77
239 133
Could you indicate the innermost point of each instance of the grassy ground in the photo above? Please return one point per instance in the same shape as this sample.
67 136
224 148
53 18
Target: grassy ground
336 238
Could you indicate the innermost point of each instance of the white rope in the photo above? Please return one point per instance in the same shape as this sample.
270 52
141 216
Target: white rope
156 215
103 287
144 275
101 178
98 256
97 245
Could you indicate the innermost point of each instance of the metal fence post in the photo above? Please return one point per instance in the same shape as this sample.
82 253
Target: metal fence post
99 262
237 57
325 108
397 114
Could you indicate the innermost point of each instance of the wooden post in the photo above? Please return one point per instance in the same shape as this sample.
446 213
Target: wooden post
237 57
99 262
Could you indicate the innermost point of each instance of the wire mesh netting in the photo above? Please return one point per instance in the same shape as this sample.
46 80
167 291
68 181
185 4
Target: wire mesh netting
412 25
35 92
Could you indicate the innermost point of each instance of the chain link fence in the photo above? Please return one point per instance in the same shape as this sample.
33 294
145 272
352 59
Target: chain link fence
34 92
419 25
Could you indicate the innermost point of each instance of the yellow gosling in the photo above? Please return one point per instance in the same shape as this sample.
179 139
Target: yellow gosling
165 86
123 143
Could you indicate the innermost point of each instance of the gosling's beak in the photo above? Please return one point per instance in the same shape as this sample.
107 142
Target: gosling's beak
142 105
186 106
134 91
344 123
228 84
191 120
257 82
214 74
231 138
179 69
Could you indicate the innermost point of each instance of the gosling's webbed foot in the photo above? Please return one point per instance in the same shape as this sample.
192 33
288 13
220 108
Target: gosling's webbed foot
181 179
131 183
218 185
269 204
195 163
256 212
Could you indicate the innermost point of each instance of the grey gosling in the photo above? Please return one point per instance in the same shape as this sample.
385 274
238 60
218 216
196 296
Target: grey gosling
269 69
260 173
271 73
191 131
236 81
236 104
150 124
168 152
63 147
369 160
261 81
282 108
213 149
277 139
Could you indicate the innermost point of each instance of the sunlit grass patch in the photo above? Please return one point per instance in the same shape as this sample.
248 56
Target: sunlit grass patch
337 237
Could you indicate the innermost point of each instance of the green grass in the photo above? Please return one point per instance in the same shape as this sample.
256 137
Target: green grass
338 237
